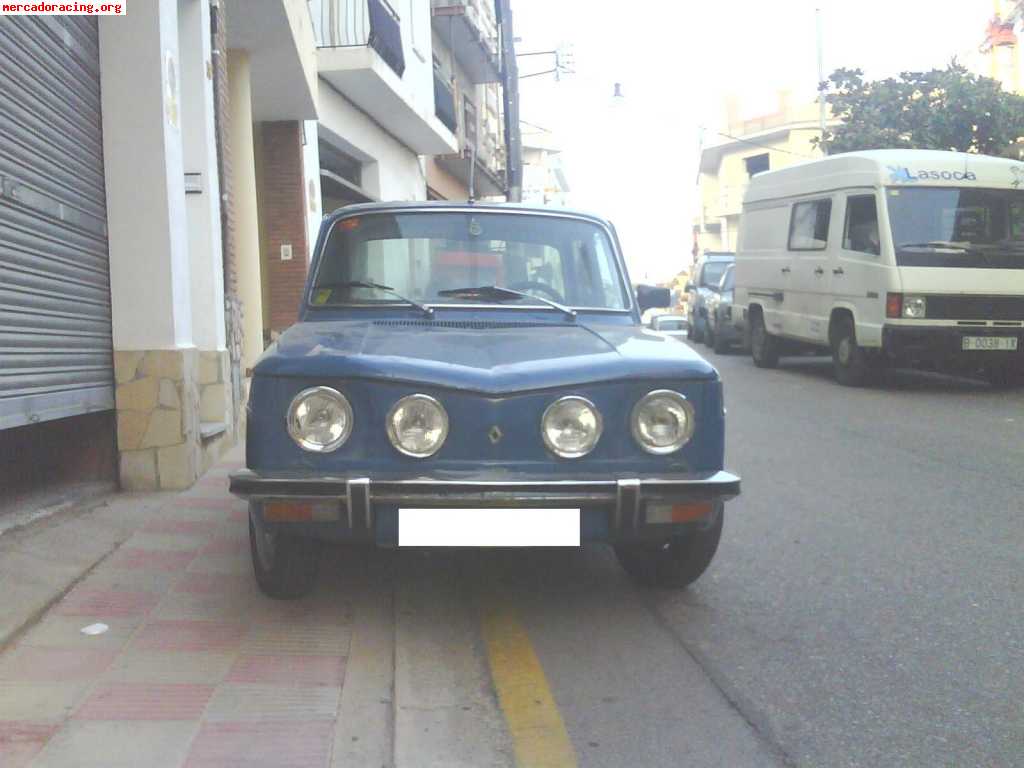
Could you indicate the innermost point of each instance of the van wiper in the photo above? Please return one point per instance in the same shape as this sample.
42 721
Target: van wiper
500 293
934 245
428 311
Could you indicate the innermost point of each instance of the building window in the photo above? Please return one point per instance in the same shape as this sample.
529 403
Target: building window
469 120
757 164
341 164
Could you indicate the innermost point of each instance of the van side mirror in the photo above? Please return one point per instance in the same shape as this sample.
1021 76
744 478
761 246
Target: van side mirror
650 297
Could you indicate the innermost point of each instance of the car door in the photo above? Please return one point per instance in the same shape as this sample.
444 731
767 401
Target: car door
810 233
858 275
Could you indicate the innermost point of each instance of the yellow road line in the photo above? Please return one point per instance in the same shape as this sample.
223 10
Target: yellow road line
538 732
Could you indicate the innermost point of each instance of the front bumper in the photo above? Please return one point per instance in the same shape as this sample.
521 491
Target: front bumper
943 345
612 509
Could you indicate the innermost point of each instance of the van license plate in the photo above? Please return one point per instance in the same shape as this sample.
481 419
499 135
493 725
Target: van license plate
488 527
990 343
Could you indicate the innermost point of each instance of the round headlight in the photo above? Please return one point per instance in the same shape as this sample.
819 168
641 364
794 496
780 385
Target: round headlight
571 427
663 421
320 419
417 426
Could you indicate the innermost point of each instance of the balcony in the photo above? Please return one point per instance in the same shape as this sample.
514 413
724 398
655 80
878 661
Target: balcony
468 28
360 55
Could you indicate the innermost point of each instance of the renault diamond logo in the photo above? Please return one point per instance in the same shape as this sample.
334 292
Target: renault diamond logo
495 434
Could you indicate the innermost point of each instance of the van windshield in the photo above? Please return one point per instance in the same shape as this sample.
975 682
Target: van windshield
956 227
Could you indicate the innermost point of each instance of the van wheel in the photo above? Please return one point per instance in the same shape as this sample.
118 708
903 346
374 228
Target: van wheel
764 348
850 361
676 562
285 566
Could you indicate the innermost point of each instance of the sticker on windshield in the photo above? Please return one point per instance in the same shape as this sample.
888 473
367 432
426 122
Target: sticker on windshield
474 228
322 296
350 224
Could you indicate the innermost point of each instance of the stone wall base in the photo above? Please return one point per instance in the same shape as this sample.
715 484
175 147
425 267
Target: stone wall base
173 420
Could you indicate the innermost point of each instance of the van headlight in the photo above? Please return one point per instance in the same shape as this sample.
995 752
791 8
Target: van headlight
915 307
417 426
662 421
571 427
320 419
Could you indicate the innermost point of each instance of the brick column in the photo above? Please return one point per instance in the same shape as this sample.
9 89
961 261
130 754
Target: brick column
281 190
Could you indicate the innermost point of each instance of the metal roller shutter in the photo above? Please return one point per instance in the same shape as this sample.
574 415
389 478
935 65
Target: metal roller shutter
56 354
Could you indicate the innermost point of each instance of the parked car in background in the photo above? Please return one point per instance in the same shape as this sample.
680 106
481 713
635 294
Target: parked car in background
726 322
671 325
477 375
909 257
707 275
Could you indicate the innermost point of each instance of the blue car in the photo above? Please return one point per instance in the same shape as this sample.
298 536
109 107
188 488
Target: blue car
477 375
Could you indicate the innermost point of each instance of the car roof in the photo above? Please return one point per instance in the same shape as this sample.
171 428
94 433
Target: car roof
463 207
718 256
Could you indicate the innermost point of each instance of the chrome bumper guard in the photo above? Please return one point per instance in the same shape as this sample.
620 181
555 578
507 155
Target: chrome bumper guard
357 495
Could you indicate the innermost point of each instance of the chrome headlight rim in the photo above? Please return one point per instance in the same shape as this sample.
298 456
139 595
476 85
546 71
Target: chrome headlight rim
691 423
393 433
303 442
915 307
561 453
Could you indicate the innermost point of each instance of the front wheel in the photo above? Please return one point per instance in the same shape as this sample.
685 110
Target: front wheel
764 348
285 566
720 345
850 361
709 336
676 562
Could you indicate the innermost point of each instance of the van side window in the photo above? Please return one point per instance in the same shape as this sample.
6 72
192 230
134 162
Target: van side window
861 232
808 227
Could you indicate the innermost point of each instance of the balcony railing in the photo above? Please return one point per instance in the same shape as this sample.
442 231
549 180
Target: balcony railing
444 103
353 23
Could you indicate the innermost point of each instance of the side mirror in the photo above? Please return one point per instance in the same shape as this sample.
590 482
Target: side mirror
650 297
690 287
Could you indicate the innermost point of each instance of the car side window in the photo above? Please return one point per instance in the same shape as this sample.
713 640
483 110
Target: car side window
861 231
808 226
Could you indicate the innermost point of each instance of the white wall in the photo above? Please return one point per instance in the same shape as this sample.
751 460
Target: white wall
200 156
390 171
149 263
311 179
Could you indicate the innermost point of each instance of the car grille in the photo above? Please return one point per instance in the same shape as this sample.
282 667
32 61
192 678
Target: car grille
976 307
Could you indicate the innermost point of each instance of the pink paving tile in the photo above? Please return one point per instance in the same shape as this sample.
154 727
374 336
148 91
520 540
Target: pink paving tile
258 744
165 560
213 583
85 601
21 741
226 545
146 701
188 635
181 527
33 664
206 502
218 481
288 670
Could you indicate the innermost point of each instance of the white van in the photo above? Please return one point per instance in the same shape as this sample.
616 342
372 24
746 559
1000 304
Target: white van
903 256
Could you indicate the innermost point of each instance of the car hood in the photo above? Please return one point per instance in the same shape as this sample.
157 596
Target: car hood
485 356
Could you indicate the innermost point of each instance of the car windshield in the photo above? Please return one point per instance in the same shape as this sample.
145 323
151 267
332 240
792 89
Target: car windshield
713 272
438 258
952 227
728 279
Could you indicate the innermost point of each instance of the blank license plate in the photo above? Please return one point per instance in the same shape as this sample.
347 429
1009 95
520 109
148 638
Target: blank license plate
986 343
488 527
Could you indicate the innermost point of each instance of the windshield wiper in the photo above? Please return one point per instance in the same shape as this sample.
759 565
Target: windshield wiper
428 311
499 292
934 245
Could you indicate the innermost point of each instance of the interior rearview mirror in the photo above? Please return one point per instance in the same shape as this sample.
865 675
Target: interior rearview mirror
651 297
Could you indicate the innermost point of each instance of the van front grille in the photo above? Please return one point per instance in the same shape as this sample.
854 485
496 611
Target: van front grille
975 307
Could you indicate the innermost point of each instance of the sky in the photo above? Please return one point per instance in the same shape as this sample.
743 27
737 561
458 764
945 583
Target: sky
634 159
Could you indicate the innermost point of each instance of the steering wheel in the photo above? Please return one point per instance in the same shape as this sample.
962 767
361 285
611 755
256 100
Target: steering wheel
536 285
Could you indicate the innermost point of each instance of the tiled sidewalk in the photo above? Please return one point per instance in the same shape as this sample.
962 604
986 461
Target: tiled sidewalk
197 668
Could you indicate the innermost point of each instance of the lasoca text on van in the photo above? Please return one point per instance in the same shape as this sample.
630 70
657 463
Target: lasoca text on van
890 257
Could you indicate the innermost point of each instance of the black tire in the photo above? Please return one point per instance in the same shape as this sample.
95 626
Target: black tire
764 348
849 360
720 345
676 562
694 334
285 566
709 336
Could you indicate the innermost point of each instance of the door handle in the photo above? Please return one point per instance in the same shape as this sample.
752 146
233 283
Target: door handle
819 271
786 270
838 271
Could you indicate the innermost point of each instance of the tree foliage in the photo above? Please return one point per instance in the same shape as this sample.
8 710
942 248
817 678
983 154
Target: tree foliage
948 109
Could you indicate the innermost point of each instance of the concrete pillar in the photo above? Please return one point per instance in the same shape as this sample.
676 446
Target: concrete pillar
155 362
247 232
